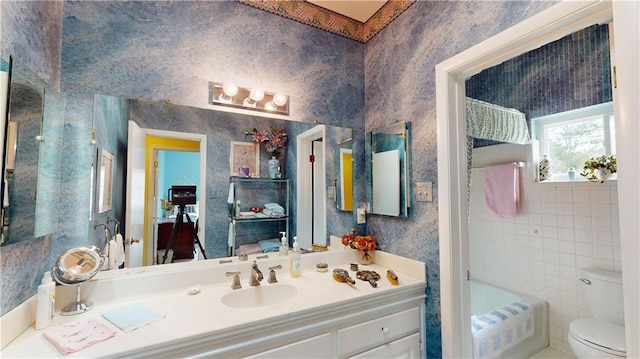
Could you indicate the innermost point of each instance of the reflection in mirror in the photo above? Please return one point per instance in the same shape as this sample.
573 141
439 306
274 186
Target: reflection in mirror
218 129
104 178
388 170
343 175
24 130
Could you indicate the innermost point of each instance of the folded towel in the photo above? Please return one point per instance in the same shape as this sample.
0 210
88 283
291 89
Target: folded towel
502 189
249 249
131 317
273 206
231 237
269 245
501 329
231 194
71 337
274 212
118 250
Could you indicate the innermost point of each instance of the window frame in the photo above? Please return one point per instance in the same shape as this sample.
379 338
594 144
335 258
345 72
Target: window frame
538 125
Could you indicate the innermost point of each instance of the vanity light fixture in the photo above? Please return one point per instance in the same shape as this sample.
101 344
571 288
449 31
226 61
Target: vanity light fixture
228 94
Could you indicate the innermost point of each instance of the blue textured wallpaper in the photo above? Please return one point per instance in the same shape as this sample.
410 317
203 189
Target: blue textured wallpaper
159 50
400 85
567 74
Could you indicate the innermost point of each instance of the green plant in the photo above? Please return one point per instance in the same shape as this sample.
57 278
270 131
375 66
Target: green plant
596 165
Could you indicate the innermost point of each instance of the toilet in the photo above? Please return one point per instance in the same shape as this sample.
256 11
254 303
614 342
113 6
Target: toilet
603 335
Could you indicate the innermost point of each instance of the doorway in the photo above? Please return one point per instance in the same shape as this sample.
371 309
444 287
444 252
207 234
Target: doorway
142 197
542 28
311 190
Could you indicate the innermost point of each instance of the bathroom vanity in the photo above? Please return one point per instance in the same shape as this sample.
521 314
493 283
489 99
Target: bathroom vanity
313 315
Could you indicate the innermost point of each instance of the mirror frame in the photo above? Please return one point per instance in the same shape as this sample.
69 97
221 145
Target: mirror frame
400 132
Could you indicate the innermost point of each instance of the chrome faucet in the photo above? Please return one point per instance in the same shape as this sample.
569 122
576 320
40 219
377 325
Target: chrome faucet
256 275
272 274
236 279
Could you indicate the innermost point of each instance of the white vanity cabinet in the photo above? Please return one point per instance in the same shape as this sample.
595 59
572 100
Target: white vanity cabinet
391 326
323 319
388 325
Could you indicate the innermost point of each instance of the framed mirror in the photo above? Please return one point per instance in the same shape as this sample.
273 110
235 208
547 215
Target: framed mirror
388 165
22 136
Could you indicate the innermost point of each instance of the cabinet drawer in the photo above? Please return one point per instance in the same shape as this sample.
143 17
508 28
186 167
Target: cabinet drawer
378 331
405 348
318 347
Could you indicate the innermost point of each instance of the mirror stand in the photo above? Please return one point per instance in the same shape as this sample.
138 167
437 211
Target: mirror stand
74 267
80 306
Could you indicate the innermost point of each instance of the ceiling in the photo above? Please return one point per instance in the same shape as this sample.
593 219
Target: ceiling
360 10
358 20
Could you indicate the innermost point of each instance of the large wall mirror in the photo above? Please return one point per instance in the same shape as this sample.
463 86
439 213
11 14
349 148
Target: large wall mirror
388 168
217 129
23 133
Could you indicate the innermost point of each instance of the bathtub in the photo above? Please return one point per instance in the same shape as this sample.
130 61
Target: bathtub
487 297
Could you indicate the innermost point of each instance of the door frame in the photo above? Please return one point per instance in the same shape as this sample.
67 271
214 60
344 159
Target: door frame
544 27
304 190
153 145
202 138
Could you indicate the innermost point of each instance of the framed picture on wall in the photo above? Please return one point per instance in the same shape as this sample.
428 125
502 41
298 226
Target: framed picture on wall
242 155
104 181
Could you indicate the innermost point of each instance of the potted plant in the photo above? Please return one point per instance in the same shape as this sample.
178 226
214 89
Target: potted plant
598 169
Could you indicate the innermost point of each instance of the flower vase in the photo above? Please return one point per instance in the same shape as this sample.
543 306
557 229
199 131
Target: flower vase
602 174
365 257
274 167
544 168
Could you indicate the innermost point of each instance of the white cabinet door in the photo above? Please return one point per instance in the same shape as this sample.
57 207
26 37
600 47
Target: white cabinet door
405 348
316 347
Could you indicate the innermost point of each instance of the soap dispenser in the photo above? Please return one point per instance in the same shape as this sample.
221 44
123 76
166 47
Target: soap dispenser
284 246
296 264
45 301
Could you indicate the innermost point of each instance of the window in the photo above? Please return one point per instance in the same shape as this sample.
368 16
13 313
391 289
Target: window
570 138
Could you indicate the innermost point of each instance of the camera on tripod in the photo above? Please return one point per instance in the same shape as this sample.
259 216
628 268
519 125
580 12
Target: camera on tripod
182 195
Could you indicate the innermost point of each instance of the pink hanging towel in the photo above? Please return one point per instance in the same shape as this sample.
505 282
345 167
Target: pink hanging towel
502 189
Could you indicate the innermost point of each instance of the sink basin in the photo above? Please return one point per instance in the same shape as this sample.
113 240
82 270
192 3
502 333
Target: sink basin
259 296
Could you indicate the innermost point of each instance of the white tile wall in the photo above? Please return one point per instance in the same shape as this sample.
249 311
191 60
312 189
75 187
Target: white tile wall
561 228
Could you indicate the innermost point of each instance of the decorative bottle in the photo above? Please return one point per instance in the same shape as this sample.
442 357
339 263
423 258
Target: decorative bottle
283 251
296 257
45 301
274 166
544 168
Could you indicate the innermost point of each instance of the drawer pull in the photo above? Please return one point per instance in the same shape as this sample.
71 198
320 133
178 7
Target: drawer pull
385 330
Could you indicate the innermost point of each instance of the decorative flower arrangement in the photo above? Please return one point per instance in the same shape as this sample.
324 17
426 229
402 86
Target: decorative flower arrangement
273 143
363 243
595 166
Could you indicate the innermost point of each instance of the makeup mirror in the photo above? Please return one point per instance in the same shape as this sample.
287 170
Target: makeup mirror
74 267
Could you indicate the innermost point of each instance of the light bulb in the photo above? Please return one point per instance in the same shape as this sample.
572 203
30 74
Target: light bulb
230 89
256 95
270 106
279 99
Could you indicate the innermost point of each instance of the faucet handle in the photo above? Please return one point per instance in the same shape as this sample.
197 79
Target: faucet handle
243 257
236 279
272 274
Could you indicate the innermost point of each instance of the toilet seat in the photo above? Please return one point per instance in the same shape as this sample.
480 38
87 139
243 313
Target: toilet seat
600 335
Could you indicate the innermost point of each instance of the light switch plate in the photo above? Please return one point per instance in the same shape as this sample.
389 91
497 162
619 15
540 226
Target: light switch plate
423 191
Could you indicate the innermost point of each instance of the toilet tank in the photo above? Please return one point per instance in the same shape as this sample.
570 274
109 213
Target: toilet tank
603 291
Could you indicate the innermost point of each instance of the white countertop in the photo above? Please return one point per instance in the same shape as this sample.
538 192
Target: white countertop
164 290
